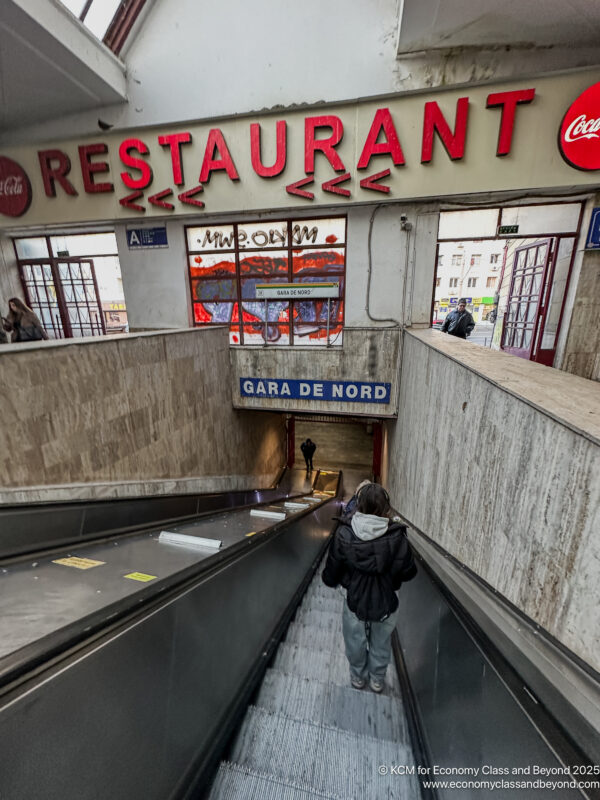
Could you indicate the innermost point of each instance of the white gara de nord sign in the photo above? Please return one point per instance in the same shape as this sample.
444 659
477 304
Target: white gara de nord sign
514 136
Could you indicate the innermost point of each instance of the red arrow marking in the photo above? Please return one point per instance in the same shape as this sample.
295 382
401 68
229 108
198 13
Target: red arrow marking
331 186
128 201
156 199
294 188
371 182
187 197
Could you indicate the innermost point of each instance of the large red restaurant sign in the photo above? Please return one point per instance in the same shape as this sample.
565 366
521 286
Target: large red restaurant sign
406 147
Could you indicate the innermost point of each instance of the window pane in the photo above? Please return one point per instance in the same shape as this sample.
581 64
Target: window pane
74 6
273 263
305 262
468 224
212 264
551 218
211 237
262 235
213 313
32 248
90 244
100 16
276 334
224 289
309 232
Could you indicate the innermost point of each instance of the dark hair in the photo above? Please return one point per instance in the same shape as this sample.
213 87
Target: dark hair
373 499
21 307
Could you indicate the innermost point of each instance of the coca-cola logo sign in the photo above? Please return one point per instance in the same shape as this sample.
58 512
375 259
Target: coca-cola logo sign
579 137
15 188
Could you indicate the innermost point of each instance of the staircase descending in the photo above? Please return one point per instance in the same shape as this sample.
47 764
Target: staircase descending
310 733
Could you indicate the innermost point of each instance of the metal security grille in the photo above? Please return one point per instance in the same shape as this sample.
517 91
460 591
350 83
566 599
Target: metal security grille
82 304
41 294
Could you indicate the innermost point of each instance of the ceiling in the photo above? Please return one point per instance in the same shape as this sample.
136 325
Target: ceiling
446 24
50 65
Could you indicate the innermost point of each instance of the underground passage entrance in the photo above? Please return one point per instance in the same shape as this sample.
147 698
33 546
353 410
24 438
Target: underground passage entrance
349 443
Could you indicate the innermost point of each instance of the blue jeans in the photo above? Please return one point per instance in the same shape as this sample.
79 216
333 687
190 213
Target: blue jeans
368 644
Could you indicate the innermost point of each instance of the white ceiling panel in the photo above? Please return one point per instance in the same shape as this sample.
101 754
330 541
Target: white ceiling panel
50 65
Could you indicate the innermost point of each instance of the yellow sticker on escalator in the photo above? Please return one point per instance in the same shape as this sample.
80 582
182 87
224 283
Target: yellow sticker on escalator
140 576
78 563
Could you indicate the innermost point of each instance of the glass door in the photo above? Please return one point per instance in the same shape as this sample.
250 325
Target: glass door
525 301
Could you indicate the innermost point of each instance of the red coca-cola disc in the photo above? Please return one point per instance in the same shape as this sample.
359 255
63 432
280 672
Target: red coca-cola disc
579 136
15 188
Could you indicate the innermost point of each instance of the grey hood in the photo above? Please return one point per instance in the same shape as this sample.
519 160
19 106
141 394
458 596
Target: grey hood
369 526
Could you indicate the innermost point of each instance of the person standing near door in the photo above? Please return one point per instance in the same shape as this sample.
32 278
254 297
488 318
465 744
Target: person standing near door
308 450
459 323
22 323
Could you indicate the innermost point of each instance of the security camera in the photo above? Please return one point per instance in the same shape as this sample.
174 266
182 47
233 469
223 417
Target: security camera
403 218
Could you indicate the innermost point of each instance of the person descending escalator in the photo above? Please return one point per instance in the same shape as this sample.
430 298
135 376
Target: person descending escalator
370 557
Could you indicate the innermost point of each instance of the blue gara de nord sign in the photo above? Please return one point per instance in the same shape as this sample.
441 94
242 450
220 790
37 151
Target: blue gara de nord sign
332 391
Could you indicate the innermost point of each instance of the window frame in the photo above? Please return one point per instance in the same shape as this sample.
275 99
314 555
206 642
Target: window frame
291 249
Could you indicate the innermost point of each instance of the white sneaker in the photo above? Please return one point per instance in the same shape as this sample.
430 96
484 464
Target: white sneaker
376 685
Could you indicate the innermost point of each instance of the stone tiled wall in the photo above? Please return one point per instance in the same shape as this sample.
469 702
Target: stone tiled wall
497 459
368 354
130 409
582 352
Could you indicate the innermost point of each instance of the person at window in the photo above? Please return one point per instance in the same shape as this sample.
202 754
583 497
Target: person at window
459 322
370 558
22 323
308 450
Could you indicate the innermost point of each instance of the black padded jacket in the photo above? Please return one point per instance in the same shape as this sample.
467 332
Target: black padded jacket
371 571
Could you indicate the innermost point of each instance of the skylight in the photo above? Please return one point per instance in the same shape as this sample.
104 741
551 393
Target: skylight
109 20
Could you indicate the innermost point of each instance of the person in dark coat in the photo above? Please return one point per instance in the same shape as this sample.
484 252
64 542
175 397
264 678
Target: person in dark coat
370 557
459 322
308 450
22 323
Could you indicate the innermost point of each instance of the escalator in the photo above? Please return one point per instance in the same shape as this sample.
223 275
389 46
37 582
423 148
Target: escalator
224 676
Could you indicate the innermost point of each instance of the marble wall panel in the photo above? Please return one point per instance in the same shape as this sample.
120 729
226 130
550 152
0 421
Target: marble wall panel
132 409
498 460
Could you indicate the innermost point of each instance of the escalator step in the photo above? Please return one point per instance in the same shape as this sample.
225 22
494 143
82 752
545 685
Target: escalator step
328 667
317 638
238 783
332 620
361 712
331 761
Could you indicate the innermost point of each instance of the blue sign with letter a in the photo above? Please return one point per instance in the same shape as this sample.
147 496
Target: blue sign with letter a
593 239
146 238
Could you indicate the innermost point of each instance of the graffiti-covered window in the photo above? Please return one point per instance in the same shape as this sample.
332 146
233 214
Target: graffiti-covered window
228 262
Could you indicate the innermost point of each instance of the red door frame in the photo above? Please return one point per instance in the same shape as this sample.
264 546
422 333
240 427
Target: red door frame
291 441
529 352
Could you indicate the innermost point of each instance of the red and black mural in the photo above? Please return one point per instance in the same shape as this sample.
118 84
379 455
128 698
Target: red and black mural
226 262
